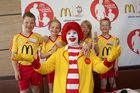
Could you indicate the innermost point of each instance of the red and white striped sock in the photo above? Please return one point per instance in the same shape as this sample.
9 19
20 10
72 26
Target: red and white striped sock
72 85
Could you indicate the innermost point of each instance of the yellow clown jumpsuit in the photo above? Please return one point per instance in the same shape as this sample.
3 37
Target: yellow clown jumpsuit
59 61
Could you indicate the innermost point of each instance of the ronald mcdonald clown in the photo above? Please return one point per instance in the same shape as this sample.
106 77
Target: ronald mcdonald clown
73 70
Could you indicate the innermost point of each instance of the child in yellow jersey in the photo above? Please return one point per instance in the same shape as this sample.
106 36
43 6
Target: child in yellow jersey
87 40
27 43
54 42
102 45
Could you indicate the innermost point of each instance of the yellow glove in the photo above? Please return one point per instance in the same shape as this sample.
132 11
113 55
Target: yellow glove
26 57
22 57
114 54
16 58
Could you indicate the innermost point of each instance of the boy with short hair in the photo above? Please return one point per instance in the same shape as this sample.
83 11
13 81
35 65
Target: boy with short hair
102 45
26 43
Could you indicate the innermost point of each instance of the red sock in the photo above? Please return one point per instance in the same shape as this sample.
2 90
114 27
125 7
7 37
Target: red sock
113 89
102 90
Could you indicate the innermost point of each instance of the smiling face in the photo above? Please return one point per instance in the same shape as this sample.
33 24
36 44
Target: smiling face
105 26
72 37
28 23
85 30
54 28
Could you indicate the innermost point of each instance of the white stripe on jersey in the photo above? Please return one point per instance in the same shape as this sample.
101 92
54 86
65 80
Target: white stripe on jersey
74 50
72 86
72 66
73 76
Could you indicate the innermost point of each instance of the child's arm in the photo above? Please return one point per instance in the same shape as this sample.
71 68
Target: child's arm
116 68
95 38
15 67
59 45
48 54
45 55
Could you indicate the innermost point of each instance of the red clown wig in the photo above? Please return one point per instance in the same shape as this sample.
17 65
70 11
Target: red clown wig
71 26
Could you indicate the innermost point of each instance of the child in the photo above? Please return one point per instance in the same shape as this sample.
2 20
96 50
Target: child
73 71
102 45
87 39
54 42
26 43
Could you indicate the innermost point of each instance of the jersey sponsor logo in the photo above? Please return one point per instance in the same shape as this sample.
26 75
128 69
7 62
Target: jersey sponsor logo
110 43
65 11
129 7
32 40
107 50
87 61
27 48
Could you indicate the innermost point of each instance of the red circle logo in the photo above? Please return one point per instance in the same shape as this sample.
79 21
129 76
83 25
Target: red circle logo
87 60
43 13
133 41
104 9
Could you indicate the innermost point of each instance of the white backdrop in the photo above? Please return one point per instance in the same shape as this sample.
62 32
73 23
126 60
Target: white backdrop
124 15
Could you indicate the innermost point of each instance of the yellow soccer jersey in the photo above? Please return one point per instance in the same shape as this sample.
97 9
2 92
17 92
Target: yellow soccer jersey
26 45
88 40
105 45
46 47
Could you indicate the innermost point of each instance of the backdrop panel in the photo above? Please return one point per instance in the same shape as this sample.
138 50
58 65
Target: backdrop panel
124 16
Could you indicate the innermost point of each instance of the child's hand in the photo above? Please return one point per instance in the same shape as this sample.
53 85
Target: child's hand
114 54
58 44
17 75
95 38
85 50
46 39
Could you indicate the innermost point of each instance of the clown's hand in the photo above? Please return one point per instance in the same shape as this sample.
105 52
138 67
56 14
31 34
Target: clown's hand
22 57
16 57
114 54
26 57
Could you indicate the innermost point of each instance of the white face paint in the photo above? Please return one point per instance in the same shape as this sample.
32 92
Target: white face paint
72 38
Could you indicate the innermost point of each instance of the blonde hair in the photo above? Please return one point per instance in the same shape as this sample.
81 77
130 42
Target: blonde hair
89 26
54 20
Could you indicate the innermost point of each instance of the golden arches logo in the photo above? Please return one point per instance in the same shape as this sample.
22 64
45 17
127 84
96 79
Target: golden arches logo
107 50
66 10
27 49
129 7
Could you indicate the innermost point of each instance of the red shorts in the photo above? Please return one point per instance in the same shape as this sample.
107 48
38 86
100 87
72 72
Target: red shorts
28 75
50 77
109 73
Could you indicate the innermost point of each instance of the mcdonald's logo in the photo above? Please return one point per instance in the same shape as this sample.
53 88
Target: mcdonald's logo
130 8
107 50
27 49
66 11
